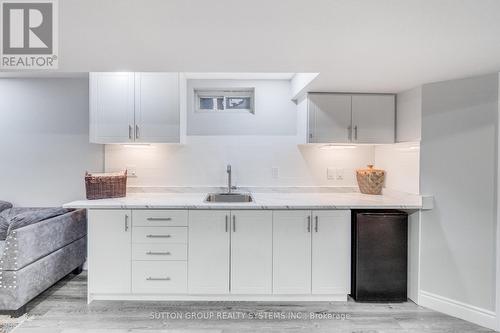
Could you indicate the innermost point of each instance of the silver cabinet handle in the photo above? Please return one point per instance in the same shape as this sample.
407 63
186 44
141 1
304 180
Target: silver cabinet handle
158 253
158 279
130 132
309 224
227 220
137 131
316 223
126 222
234 223
159 219
356 132
158 236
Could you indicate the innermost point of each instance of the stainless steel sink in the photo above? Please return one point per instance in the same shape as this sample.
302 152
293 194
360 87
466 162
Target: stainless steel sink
229 197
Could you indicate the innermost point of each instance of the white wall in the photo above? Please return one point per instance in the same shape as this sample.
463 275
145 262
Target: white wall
300 82
409 115
45 146
202 162
401 161
302 121
459 167
275 113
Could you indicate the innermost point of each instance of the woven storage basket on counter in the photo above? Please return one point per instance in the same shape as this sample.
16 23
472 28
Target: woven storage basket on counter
106 185
370 180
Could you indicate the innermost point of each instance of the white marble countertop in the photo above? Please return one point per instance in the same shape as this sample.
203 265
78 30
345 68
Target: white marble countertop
262 200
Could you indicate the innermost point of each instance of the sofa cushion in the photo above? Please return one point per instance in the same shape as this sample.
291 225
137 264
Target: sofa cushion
4 205
4 227
31 217
15 218
6 216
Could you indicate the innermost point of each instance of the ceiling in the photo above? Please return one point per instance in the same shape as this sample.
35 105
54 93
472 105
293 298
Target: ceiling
239 76
355 45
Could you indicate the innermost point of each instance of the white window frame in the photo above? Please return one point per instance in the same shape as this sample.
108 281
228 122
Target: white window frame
225 94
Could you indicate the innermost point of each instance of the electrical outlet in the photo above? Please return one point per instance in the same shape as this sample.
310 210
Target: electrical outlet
330 173
275 172
339 174
131 171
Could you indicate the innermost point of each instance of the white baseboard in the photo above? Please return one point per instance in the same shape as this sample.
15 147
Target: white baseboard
458 309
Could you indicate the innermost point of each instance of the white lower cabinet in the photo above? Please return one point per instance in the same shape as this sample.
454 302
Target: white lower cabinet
159 254
160 235
164 277
109 248
292 252
218 252
230 252
331 252
311 252
251 248
208 258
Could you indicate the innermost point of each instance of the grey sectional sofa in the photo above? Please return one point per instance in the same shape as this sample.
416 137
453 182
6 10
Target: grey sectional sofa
38 247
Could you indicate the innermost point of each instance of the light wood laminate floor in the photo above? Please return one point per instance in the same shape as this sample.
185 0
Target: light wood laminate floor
63 309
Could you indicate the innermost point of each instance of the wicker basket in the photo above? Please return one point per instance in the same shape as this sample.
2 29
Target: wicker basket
106 185
370 180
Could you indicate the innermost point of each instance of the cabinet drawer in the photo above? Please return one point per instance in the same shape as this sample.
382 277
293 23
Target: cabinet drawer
157 218
159 252
164 277
159 235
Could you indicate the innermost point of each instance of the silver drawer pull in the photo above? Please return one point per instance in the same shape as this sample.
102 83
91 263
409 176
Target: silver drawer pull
159 219
158 253
158 236
158 279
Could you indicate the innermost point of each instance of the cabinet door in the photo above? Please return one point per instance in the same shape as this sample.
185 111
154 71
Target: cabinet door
331 252
291 252
329 118
157 107
251 248
111 107
373 118
109 248
208 258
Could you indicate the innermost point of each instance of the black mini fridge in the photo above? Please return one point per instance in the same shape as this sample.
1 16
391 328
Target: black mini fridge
379 256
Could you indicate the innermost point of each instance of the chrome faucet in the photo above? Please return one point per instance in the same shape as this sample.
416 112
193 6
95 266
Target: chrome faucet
230 188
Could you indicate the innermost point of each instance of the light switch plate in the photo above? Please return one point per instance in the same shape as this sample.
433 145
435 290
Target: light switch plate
131 171
275 172
339 174
330 173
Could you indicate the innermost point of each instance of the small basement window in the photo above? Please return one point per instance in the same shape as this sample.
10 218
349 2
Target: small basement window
224 100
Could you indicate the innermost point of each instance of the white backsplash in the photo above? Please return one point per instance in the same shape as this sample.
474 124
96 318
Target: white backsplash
202 162
401 161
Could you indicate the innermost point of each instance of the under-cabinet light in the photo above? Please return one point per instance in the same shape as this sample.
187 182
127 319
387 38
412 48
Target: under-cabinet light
136 145
331 147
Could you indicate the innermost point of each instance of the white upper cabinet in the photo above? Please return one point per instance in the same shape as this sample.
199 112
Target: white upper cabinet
329 118
134 107
111 107
157 107
373 118
351 118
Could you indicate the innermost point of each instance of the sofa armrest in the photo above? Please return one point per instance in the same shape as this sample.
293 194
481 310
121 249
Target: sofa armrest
32 242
